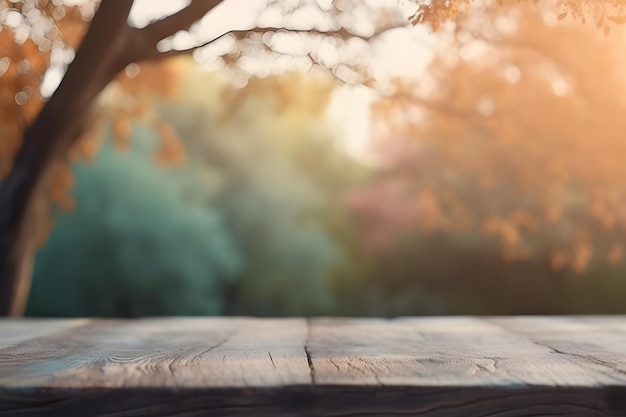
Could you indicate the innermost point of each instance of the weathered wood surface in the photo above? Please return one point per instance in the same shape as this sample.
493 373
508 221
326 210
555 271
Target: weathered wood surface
445 366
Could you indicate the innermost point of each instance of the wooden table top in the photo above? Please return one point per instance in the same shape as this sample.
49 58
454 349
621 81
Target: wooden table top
441 366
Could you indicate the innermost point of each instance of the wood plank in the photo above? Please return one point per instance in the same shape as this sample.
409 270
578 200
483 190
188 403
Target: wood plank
260 353
164 353
444 351
594 343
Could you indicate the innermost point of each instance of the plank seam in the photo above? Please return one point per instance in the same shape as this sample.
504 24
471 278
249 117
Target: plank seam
309 358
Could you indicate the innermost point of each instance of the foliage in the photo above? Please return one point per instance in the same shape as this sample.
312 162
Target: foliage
515 132
272 156
476 151
39 39
241 228
33 36
605 13
464 273
138 246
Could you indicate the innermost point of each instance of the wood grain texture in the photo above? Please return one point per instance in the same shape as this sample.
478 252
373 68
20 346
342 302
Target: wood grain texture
444 366
598 345
161 353
446 351
14 331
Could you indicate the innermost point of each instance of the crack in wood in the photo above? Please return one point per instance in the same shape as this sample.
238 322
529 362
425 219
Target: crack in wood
271 359
607 368
309 358
592 359
310 362
334 363
215 346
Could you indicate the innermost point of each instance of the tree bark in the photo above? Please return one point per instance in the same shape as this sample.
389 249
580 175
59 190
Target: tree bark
100 57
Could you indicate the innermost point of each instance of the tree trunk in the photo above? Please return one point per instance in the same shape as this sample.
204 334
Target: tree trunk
100 57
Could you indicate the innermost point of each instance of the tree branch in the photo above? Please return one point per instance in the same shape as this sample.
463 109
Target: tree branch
152 34
240 34
342 32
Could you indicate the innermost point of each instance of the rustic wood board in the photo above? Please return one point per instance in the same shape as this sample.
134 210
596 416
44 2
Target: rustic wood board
161 353
443 366
453 351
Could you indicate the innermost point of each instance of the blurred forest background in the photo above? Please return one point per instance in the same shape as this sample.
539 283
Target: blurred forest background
486 175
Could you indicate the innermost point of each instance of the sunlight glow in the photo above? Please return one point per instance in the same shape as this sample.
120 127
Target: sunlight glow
350 110
145 11
391 56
